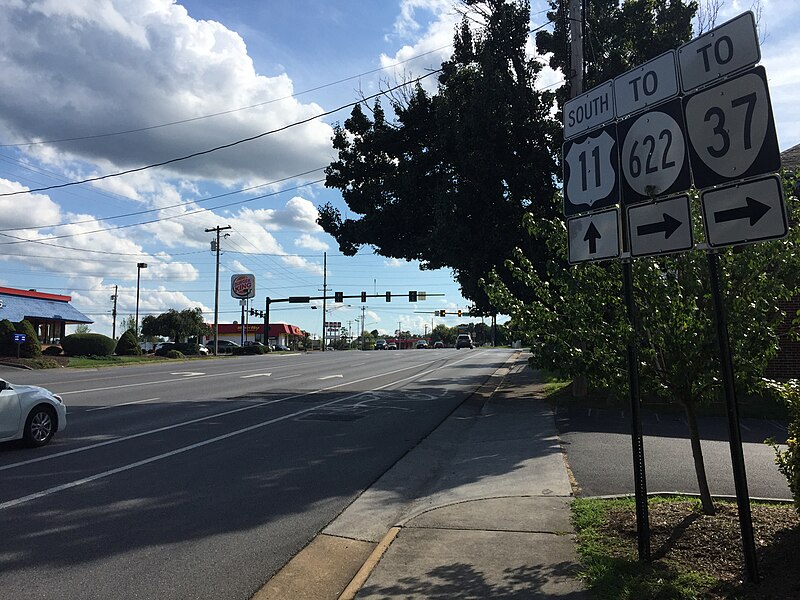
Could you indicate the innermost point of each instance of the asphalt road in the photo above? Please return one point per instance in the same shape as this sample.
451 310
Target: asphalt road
598 447
201 479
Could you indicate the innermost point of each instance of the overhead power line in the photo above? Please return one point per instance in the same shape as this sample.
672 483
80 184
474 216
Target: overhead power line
223 146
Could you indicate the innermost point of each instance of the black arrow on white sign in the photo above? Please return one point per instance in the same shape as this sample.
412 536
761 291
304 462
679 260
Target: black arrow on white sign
592 235
753 211
667 226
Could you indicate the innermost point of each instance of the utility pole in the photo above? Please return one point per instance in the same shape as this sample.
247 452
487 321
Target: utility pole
215 246
363 341
114 314
576 47
324 295
399 332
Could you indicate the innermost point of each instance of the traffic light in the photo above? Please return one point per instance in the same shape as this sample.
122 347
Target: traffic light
443 313
338 296
388 296
412 296
363 296
252 312
459 312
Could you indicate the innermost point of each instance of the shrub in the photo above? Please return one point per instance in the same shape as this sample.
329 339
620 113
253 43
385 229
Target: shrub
52 351
188 348
7 345
31 347
174 354
128 345
788 460
83 344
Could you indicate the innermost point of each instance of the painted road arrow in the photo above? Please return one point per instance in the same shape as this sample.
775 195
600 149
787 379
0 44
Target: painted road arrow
753 211
592 235
668 225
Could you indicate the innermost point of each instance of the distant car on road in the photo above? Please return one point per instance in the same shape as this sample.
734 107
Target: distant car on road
464 340
380 344
30 413
438 344
421 345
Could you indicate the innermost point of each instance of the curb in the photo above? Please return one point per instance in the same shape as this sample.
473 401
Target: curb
360 578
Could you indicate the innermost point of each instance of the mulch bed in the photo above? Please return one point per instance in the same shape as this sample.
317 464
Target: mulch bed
682 535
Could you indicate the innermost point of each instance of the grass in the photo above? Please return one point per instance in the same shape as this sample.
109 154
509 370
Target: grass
91 362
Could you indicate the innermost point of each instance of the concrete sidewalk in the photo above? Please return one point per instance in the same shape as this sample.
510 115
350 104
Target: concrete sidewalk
481 512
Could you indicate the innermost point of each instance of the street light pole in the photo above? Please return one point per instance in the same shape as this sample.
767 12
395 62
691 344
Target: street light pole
139 267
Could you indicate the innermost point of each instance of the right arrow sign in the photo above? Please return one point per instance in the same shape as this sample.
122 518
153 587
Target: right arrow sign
747 212
660 227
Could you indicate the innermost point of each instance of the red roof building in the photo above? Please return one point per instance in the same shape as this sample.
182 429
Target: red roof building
279 333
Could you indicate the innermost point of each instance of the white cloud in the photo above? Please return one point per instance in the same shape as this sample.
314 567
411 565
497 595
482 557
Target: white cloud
99 67
310 242
394 263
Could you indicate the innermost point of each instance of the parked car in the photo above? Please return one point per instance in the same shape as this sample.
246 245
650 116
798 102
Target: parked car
439 344
464 340
30 413
203 350
226 344
253 343
421 345
282 348
391 346
380 344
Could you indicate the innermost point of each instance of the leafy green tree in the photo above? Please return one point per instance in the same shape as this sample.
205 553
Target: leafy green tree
82 328
443 333
176 325
580 325
448 182
617 36
129 324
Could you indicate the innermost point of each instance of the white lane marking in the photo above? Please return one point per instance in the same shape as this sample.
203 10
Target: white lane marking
331 377
216 415
255 375
358 365
152 459
188 373
123 404
127 385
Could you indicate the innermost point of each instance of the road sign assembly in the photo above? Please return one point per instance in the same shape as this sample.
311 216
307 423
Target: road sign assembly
591 166
745 212
660 227
589 110
594 236
654 159
721 51
731 130
647 85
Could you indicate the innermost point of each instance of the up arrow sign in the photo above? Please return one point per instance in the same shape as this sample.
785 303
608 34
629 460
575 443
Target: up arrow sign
592 235
753 211
745 212
668 225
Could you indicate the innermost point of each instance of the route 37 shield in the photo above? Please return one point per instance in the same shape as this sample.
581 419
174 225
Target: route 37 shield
591 167
731 130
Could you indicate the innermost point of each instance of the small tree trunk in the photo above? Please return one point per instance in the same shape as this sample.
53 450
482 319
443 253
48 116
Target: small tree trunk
699 464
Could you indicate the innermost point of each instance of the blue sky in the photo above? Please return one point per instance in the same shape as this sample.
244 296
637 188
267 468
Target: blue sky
93 87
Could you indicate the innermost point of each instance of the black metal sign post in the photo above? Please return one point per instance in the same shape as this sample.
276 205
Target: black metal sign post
735 434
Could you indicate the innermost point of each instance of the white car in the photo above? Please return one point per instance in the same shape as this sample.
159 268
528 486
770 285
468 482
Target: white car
30 413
